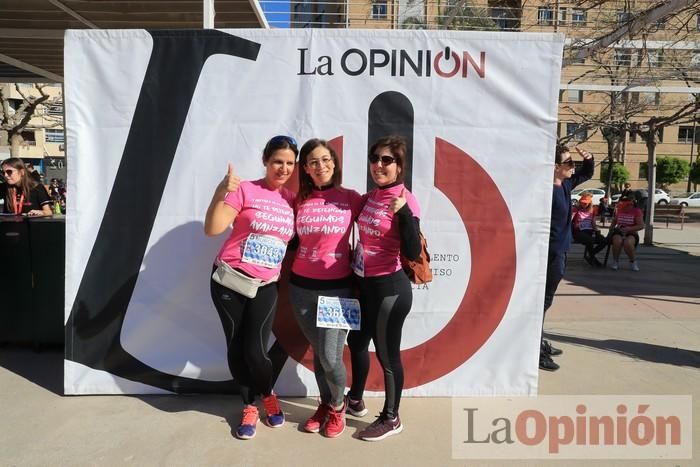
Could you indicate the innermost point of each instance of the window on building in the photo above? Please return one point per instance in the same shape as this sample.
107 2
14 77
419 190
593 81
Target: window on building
579 132
685 134
643 171
620 98
661 24
623 17
655 58
545 15
623 57
55 136
578 17
633 137
56 110
649 98
379 10
28 137
562 15
697 26
633 98
574 95
574 59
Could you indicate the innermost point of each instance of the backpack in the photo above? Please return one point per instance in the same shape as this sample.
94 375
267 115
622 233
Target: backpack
418 271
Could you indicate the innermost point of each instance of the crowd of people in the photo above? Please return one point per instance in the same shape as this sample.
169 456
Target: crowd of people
24 193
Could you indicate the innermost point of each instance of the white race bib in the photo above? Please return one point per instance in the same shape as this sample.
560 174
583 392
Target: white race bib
264 250
338 313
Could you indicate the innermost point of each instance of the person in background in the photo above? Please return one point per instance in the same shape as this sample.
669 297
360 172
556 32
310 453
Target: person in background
626 190
565 180
388 228
22 194
623 234
33 173
585 230
325 214
262 215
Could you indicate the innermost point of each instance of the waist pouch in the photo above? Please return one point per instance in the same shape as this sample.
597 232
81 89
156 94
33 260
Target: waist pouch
237 281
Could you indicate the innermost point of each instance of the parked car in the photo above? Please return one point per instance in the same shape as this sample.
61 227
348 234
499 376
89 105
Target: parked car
660 196
596 192
687 199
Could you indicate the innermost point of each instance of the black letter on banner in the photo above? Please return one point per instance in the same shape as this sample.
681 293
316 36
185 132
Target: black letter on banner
94 326
391 113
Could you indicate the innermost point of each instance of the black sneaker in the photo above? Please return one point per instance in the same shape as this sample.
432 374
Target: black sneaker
381 428
355 408
547 349
547 364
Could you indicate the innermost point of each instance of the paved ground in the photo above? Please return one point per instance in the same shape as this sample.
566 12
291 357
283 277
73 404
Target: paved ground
622 333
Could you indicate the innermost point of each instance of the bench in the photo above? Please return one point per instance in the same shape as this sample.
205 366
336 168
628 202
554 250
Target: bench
670 211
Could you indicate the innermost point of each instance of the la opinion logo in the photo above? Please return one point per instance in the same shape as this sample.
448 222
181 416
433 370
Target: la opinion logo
107 285
394 62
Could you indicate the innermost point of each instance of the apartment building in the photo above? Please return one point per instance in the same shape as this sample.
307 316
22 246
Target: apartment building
631 80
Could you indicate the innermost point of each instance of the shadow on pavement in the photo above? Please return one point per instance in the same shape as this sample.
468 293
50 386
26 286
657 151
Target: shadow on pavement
43 368
664 272
637 350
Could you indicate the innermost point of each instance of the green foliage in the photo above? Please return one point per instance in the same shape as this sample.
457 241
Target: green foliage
620 175
670 170
694 174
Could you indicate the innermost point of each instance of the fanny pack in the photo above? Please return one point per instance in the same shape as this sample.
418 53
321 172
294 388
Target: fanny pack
237 281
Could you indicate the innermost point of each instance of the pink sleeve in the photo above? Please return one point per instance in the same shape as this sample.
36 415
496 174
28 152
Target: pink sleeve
235 198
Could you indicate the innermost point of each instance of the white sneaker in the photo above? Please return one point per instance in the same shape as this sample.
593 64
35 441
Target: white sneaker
614 266
635 266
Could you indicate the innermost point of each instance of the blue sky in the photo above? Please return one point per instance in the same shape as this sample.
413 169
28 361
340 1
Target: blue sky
276 12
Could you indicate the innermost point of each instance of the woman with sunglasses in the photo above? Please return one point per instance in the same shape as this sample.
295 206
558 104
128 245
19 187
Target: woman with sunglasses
21 193
565 180
388 228
325 214
262 215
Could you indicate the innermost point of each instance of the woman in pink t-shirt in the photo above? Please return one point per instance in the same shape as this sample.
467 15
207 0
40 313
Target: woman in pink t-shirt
627 222
325 213
585 230
262 215
389 227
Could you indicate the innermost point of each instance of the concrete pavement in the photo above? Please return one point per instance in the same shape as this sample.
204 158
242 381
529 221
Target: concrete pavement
622 333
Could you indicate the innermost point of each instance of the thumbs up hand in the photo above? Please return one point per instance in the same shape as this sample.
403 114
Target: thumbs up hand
230 182
399 202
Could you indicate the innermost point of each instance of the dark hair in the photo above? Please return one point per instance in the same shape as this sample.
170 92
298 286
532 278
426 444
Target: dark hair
306 183
279 142
26 183
560 151
397 146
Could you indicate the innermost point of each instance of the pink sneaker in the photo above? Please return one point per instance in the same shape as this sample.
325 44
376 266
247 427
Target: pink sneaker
318 419
275 416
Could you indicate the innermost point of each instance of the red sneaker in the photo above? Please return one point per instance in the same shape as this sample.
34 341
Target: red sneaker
275 416
336 422
318 419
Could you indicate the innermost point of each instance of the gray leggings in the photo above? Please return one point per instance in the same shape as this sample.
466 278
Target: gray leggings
326 343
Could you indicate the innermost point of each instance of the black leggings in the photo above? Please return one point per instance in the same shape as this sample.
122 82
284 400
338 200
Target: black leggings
385 302
247 325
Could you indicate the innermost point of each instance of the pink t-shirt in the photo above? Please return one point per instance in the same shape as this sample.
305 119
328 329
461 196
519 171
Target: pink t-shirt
324 224
261 230
379 231
626 218
583 220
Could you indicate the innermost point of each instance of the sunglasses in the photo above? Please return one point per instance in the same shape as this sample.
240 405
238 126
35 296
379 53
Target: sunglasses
386 160
569 162
282 139
9 172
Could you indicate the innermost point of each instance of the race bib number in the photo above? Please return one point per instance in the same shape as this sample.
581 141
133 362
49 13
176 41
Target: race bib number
358 260
338 313
263 250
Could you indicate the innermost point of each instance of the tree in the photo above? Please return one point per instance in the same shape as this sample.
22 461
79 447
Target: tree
618 177
694 175
670 170
16 115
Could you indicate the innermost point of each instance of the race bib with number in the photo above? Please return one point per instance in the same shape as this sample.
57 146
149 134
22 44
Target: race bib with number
358 260
263 250
338 313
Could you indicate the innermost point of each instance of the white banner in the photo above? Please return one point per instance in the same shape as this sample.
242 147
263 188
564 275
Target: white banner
153 118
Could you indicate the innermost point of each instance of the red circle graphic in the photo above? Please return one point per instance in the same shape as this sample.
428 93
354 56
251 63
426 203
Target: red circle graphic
489 226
